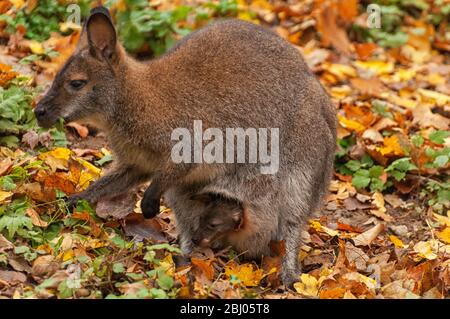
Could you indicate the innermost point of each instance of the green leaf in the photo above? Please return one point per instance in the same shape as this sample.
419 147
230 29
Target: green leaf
353 165
439 137
165 246
440 161
164 281
376 171
361 179
381 108
158 293
417 140
118 268
7 183
105 159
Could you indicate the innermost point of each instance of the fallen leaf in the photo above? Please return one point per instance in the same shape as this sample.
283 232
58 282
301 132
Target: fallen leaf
35 218
368 236
82 131
396 241
137 226
205 266
307 286
117 207
248 274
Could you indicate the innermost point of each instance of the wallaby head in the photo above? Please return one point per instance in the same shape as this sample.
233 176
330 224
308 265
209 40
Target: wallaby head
88 82
222 216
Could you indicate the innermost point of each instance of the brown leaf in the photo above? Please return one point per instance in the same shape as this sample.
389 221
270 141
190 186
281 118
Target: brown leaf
18 263
44 266
12 277
5 166
137 226
425 118
371 87
31 138
332 33
35 218
368 236
117 207
5 244
82 130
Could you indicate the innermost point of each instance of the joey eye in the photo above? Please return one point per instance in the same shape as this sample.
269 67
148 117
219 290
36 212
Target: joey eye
213 225
77 84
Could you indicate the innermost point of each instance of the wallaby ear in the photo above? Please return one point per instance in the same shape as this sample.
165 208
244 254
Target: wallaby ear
101 34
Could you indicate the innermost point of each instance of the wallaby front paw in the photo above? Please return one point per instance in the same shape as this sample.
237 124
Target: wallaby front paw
150 207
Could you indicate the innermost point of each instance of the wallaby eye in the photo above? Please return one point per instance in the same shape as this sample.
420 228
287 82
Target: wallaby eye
77 84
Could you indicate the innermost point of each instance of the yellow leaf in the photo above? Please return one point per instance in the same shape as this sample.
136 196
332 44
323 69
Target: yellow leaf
402 101
396 241
18 3
339 92
91 168
247 274
376 67
391 146
425 249
442 219
440 98
59 153
403 75
341 71
435 79
444 235
36 47
323 229
5 196
351 124
369 282
68 255
307 286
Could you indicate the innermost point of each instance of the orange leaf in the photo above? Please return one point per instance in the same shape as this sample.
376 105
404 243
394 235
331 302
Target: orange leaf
205 266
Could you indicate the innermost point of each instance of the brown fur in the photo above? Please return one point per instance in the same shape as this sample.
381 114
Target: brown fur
229 74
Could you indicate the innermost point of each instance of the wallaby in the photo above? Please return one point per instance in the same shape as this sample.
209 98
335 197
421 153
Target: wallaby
230 74
221 218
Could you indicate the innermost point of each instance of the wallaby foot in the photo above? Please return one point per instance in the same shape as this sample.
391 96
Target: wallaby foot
290 231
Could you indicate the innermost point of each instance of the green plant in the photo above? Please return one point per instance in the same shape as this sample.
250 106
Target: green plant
140 25
16 114
13 218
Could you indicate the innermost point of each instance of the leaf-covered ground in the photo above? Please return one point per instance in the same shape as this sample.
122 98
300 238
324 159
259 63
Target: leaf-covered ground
384 231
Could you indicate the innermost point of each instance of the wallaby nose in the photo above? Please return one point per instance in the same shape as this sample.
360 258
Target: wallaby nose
39 111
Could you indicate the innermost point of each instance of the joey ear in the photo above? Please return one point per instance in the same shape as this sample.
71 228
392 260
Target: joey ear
204 198
238 220
101 34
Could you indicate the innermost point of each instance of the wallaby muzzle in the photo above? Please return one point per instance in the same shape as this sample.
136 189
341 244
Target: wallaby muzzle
46 113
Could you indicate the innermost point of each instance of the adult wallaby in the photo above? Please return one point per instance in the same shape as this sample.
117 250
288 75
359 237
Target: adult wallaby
231 74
